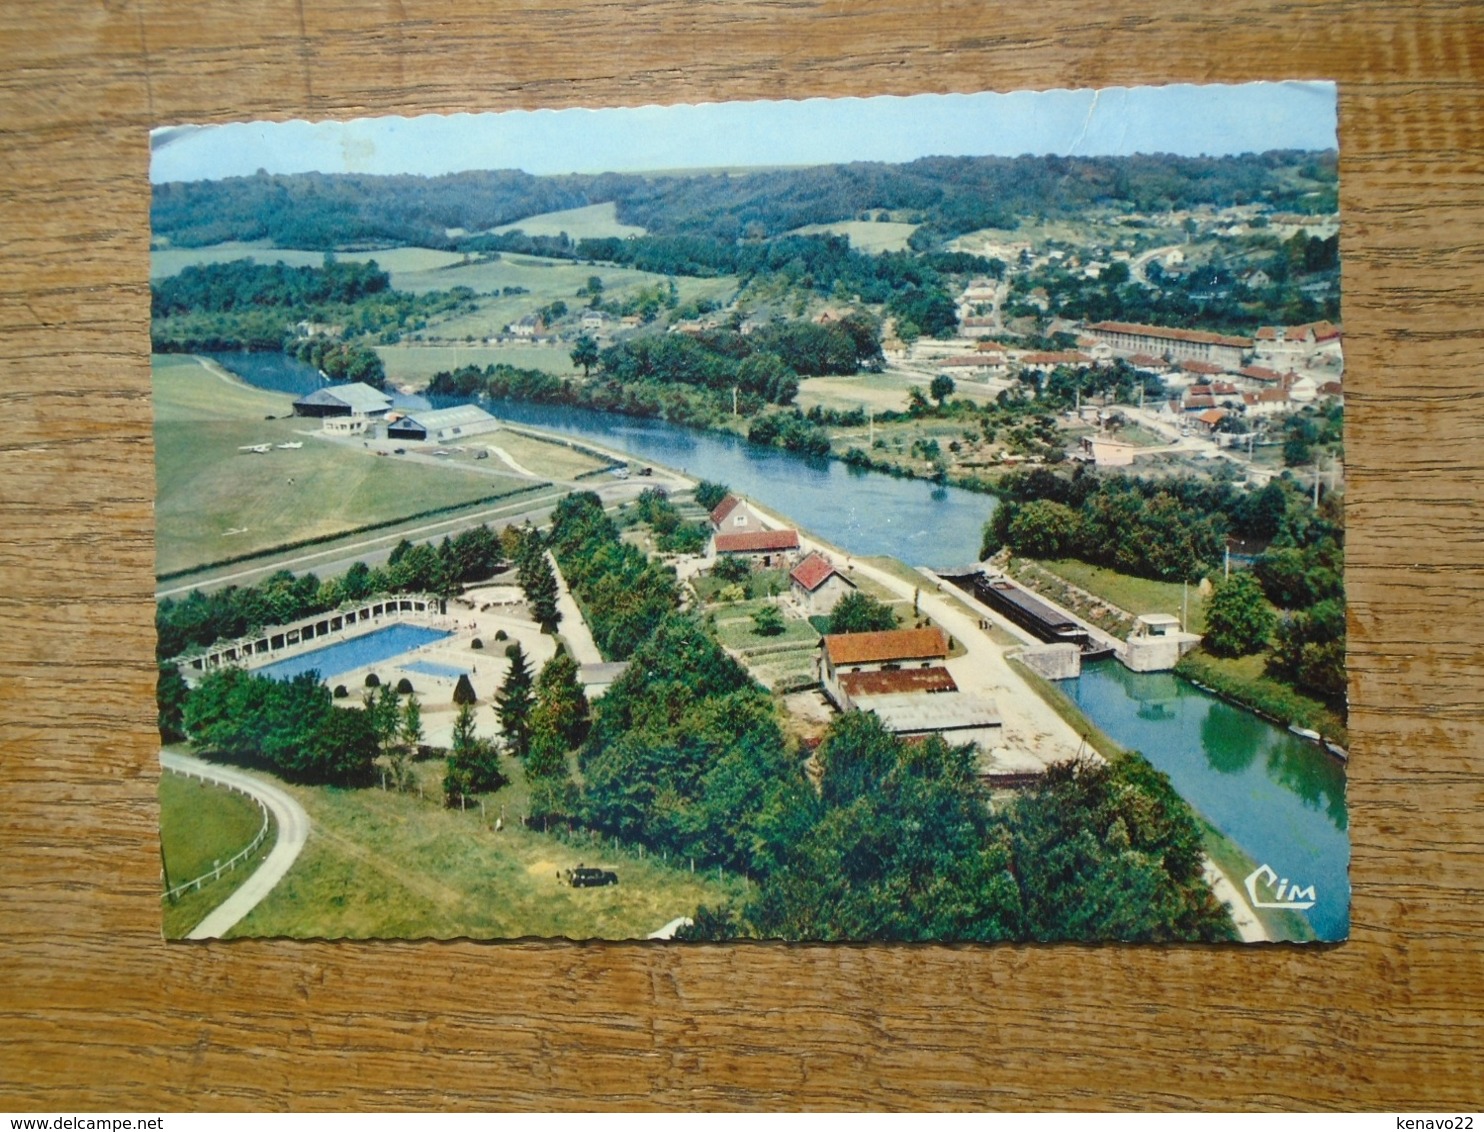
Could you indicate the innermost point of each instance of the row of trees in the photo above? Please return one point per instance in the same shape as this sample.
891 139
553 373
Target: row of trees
624 595
537 578
201 619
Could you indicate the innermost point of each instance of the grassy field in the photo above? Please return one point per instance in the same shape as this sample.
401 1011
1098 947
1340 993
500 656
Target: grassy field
214 502
164 262
869 236
545 458
545 282
382 865
1137 595
879 391
200 824
416 365
595 221
735 628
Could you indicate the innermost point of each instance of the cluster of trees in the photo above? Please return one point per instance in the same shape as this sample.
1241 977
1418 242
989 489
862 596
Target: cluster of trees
1129 525
1302 573
680 404
244 305
763 366
686 755
537 578
900 844
946 195
793 431
200 619
341 361
672 534
858 612
245 284
291 726
623 594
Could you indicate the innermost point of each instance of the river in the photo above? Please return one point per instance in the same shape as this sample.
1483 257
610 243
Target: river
1277 797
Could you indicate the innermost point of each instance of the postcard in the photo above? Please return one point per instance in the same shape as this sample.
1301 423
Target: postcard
886 519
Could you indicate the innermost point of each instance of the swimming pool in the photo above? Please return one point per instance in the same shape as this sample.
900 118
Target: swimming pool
332 660
432 668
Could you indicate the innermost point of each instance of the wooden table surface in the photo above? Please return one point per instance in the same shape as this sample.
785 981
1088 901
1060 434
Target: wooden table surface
97 1013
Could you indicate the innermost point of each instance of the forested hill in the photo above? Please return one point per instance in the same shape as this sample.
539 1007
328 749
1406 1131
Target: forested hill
947 195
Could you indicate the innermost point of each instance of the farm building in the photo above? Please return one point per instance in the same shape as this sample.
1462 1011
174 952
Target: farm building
353 399
443 426
957 716
817 586
773 548
887 650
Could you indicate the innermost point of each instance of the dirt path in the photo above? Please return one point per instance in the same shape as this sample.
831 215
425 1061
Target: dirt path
293 831
1249 927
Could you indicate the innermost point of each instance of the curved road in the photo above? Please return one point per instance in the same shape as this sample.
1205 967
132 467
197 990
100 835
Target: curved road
293 831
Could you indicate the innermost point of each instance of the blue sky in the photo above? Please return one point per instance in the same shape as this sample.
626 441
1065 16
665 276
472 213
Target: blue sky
1187 120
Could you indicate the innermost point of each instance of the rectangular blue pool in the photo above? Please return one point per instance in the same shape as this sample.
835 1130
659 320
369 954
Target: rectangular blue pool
374 647
432 668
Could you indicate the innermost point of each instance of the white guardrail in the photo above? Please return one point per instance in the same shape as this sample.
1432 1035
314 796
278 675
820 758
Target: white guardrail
226 866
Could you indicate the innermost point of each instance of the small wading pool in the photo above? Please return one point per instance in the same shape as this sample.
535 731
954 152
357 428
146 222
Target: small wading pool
374 647
432 668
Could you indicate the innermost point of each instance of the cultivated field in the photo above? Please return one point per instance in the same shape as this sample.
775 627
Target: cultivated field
595 221
201 824
869 236
214 502
384 865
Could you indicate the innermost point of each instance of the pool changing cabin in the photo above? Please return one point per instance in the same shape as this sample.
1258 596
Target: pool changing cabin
283 641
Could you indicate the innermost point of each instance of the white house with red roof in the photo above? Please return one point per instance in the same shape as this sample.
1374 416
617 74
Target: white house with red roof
817 586
733 515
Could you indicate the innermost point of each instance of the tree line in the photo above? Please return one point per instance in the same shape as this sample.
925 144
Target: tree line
945 195
1291 604
201 619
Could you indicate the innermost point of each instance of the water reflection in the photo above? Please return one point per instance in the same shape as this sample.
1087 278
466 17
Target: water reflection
1279 797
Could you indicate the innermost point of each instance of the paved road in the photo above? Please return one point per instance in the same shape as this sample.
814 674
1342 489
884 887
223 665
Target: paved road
293 831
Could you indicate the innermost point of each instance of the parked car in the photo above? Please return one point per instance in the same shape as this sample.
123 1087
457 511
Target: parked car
583 877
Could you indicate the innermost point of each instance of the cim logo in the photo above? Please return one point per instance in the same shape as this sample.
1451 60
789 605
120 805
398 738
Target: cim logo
1287 896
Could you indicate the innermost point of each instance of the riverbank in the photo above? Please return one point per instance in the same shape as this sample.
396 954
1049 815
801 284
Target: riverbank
1112 601
1225 860
1243 681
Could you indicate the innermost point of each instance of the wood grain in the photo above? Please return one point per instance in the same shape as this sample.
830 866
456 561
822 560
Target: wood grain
97 1013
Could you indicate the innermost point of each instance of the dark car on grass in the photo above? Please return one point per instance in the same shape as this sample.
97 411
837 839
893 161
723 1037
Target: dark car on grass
584 877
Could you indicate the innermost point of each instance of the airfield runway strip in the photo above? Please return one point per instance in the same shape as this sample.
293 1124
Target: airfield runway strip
293 831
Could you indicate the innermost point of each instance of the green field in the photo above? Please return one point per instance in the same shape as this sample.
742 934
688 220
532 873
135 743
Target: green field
595 221
1136 595
735 627
869 236
201 824
214 502
869 391
165 262
384 865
